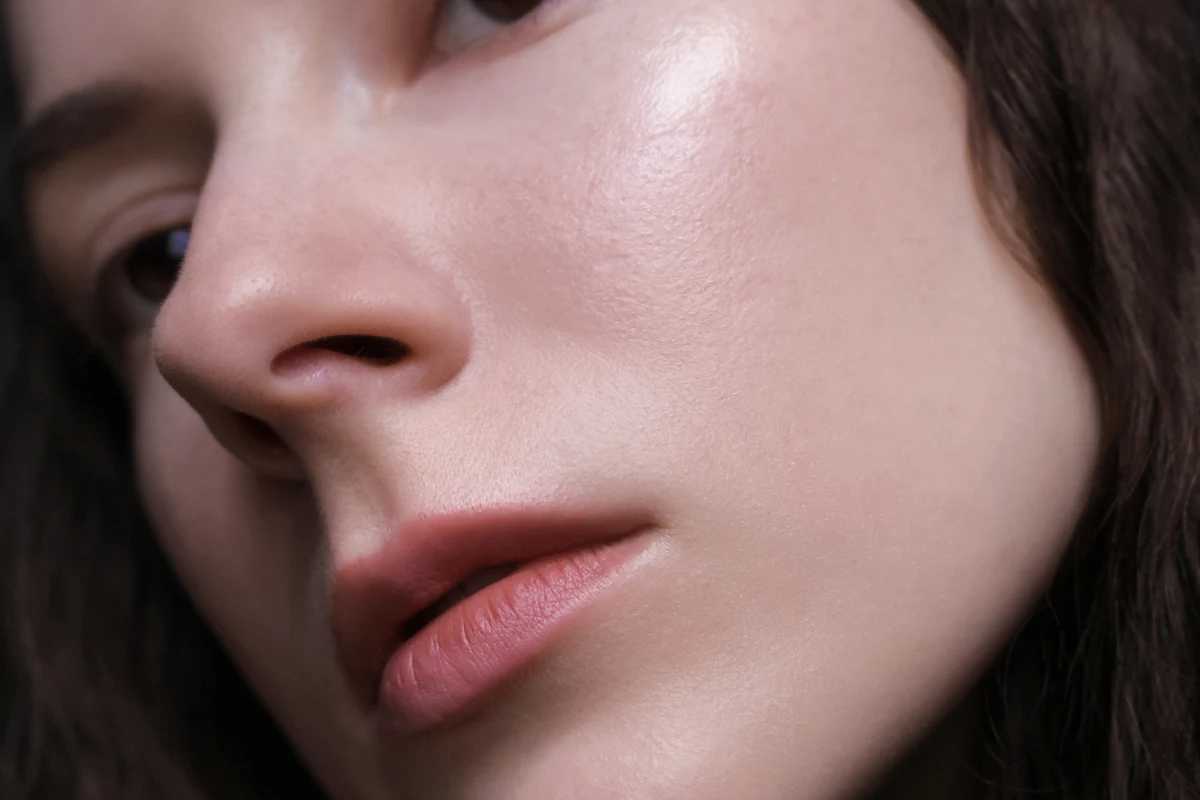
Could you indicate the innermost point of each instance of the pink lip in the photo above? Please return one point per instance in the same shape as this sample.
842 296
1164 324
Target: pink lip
468 651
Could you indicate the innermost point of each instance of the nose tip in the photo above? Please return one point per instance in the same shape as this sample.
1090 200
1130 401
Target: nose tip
267 354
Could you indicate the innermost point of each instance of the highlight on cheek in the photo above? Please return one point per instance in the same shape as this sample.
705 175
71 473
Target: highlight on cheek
687 78
690 71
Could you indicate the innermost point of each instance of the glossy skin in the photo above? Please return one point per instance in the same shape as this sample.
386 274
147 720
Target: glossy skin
715 259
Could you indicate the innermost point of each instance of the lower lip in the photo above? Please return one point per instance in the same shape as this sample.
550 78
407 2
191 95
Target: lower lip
452 664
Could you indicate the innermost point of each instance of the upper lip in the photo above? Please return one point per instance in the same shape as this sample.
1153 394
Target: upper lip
374 597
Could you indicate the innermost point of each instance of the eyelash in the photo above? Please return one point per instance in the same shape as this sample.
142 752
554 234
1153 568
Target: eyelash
120 309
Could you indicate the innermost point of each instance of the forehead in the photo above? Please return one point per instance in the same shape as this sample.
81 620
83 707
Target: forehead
62 45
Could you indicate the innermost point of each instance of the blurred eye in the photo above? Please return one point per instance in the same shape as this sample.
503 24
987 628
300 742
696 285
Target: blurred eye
134 283
151 265
465 22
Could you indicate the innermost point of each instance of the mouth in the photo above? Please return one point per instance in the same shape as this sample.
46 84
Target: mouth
454 606
468 588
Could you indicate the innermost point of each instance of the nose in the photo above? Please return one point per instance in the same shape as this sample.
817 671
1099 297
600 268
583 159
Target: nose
298 302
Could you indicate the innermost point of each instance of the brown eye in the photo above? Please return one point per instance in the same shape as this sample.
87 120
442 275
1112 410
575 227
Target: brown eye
506 10
151 266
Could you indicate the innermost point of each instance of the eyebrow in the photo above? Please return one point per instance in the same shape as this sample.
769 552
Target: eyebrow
78 121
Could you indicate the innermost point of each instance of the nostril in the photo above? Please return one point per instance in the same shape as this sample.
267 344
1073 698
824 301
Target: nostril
376 349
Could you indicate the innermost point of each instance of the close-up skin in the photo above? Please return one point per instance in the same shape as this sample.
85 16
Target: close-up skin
599 398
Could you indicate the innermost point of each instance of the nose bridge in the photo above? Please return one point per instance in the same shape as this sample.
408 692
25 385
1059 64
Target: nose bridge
300 294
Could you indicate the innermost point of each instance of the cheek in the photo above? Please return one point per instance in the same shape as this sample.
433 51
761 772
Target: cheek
876 431
627 208
249 553
770 220
195 495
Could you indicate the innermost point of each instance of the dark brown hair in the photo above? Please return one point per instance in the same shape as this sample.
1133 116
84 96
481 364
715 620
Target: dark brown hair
1085 129
1085 120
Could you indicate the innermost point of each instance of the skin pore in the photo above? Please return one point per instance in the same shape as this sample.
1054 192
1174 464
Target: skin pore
717 261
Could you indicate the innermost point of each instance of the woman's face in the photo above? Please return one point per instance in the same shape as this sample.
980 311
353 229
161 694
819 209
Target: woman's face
687 309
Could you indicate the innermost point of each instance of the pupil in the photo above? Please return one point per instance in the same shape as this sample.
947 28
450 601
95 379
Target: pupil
506 10
152 266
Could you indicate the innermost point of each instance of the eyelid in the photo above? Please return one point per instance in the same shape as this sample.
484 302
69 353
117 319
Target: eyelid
144 217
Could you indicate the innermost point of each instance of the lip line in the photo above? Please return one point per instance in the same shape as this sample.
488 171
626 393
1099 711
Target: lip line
374 597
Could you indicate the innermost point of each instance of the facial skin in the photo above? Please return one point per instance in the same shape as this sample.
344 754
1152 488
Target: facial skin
717 259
